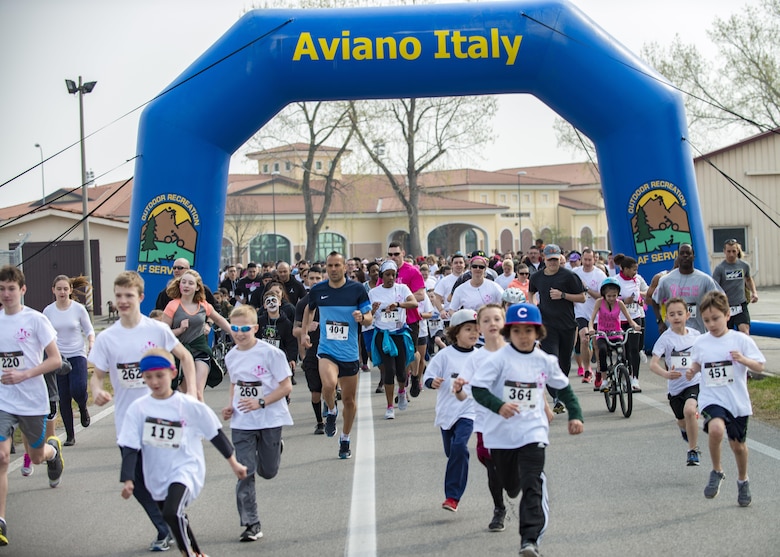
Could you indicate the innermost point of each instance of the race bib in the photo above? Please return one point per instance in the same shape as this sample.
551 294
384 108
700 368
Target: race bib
130 376
632 308
681 360
273 341
434 324
390 316
12 360
162 434
526 395
336 330
735 310
247 389
692 310
718 374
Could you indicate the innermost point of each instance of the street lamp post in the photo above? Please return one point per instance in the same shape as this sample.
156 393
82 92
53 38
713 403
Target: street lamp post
274 174
82 89
43 178
519 213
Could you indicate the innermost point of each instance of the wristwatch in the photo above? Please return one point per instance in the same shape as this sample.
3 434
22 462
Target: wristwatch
262 402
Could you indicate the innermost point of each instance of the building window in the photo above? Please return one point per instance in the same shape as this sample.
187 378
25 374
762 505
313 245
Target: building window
526 198
276 167
265 168
483 198
328 242
318 165
502 199
269 247
227 253
721 235
287 166
545 198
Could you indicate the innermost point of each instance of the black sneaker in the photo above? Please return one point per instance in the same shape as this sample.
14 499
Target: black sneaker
414 389
693 457
70 441
55 465
252 533
338 393
713 486
330 423
380 388
85 419
497 524
319 429
529 549
684 434
344 451
559 408
3 532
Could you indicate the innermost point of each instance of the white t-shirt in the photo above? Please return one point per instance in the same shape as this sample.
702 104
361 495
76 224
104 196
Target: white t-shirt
591 281
474 297
723 381
632 287
118 351
503 281
472 365
23 337
514 376
72 326
444 287
389 320
255 373
169 433
676 351
448 363
426 306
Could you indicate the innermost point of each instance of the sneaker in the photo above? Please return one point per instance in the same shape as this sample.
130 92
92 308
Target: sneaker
580 371
693 457
743 497
364 367
497 524
450 504
684 434
403 402
559 408
344 451
319 429
27 467
642 356
338 393
414 390
635 385
330 423
713 486
390 413
85 419
587 377
163 544
606 386
597 382
252 533
380 388
3 532
56 465
529 549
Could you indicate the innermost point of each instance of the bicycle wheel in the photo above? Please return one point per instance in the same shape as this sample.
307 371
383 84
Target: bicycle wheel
624 389
609 396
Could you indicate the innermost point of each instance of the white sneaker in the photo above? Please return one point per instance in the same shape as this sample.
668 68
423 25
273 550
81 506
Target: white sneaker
642 356
390 414
635 385
403 403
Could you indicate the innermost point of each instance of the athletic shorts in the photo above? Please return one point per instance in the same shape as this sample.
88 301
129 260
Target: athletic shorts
677 402
736 427
582 323
740 318
33 427
311 371
346 369
415 328
422 341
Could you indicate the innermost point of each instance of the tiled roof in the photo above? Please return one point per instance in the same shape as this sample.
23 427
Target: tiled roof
574 173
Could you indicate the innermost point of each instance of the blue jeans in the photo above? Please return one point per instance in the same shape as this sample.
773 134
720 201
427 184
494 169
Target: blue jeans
72 386
456 447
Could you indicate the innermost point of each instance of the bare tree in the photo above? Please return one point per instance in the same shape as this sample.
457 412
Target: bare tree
240 225
405 137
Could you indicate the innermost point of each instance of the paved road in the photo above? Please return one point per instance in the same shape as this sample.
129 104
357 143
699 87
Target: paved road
621 488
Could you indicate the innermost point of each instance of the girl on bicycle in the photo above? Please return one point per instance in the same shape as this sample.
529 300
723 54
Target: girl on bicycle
633 290
608 309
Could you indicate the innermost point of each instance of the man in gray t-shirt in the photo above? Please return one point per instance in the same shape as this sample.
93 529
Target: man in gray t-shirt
687 283
733 275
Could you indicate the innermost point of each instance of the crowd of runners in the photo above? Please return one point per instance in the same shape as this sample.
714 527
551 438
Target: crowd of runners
492 334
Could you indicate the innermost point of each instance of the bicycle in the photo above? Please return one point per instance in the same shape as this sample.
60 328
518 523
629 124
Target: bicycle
223 342
618 375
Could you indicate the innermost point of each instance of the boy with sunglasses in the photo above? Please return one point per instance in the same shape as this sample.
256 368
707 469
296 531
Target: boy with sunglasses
260 380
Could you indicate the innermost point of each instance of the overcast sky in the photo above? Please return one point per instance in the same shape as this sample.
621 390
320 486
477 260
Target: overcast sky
134 49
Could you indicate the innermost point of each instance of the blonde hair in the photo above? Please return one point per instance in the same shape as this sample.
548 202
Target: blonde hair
174 292
246 311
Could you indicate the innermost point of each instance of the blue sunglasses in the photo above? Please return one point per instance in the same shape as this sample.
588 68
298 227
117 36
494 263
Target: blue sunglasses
242 328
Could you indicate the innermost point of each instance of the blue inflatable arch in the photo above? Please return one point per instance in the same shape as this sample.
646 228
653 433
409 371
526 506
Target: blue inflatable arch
548 49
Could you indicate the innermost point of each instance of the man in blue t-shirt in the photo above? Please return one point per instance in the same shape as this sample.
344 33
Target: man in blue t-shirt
343 304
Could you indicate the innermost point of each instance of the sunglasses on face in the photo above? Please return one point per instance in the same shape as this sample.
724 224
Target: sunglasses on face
477 266
526 274
393 254
242 328
179 268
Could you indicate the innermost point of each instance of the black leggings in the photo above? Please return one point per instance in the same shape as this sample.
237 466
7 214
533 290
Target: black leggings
633 346
173 513
393 367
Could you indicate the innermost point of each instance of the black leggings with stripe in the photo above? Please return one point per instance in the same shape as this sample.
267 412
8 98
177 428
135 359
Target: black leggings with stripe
173 512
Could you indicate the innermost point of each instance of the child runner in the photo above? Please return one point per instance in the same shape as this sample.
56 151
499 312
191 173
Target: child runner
724 358
259 384
163 429
25 335
118 351
511 385
674 346
454 417
608 309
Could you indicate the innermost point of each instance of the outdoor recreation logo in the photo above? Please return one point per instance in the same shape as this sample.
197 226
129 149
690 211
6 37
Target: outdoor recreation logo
170 232
659 222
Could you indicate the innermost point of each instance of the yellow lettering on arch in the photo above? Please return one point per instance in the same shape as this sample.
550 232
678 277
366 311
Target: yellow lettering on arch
406 52
478 47
305 47
329 49
391 45
363 49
